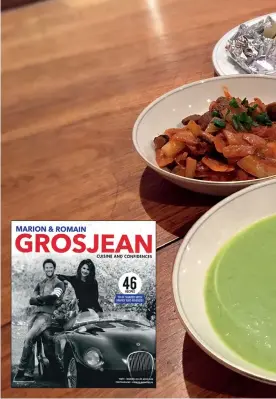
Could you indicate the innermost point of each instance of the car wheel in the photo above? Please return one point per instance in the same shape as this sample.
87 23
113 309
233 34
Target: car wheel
71 371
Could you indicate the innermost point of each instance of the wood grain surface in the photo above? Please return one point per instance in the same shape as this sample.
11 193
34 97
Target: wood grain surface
75 76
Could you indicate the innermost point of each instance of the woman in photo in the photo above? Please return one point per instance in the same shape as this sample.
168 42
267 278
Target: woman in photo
85 285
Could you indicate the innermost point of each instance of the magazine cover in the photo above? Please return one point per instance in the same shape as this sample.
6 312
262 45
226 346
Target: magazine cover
83 304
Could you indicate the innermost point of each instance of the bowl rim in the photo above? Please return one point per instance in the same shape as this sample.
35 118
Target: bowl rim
176 268
187 179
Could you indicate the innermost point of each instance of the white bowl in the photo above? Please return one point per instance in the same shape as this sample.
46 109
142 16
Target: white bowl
195 256
222 63
168 111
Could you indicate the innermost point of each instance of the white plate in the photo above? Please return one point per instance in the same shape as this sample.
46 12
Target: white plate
222 63
194 257
168 111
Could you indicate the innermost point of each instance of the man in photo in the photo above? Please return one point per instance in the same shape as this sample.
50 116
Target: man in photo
46 293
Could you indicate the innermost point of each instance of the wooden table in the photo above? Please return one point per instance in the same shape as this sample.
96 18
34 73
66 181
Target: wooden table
76 74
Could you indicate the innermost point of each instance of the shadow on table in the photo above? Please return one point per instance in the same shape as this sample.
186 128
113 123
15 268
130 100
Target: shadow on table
202 373
173 208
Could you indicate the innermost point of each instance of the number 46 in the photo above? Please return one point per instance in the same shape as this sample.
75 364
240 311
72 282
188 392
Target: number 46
132 285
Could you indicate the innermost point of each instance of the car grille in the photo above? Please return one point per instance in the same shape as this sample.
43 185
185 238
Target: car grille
140 364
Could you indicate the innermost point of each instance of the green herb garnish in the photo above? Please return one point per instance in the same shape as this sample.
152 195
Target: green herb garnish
242 121
246 120
243 117
263 119
216 113
248 123
233 103
236 122
252 109
245 102
219 123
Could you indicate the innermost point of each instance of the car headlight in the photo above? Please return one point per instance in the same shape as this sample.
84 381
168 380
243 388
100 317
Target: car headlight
93 358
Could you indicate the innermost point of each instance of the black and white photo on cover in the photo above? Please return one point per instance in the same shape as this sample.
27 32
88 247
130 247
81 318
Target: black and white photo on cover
68 332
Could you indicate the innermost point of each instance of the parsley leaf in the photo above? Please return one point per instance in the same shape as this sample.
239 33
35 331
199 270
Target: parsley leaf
245 102
246 120
243 117
252 109
236 122
242 121
263 119
233 103
219 123
216 113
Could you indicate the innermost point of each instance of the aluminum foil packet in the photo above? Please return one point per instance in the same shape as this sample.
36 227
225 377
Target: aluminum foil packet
251 50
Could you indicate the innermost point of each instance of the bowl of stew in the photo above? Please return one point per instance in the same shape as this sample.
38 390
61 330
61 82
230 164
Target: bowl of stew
214 136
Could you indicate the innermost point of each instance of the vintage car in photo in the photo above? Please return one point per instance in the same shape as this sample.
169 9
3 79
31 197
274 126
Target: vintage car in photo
115 348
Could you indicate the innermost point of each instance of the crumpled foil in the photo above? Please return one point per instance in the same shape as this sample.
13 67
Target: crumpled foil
251 50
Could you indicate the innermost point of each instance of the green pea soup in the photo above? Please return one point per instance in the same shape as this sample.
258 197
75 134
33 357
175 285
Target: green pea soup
240 293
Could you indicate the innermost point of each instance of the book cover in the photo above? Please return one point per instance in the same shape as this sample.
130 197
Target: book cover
83 304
